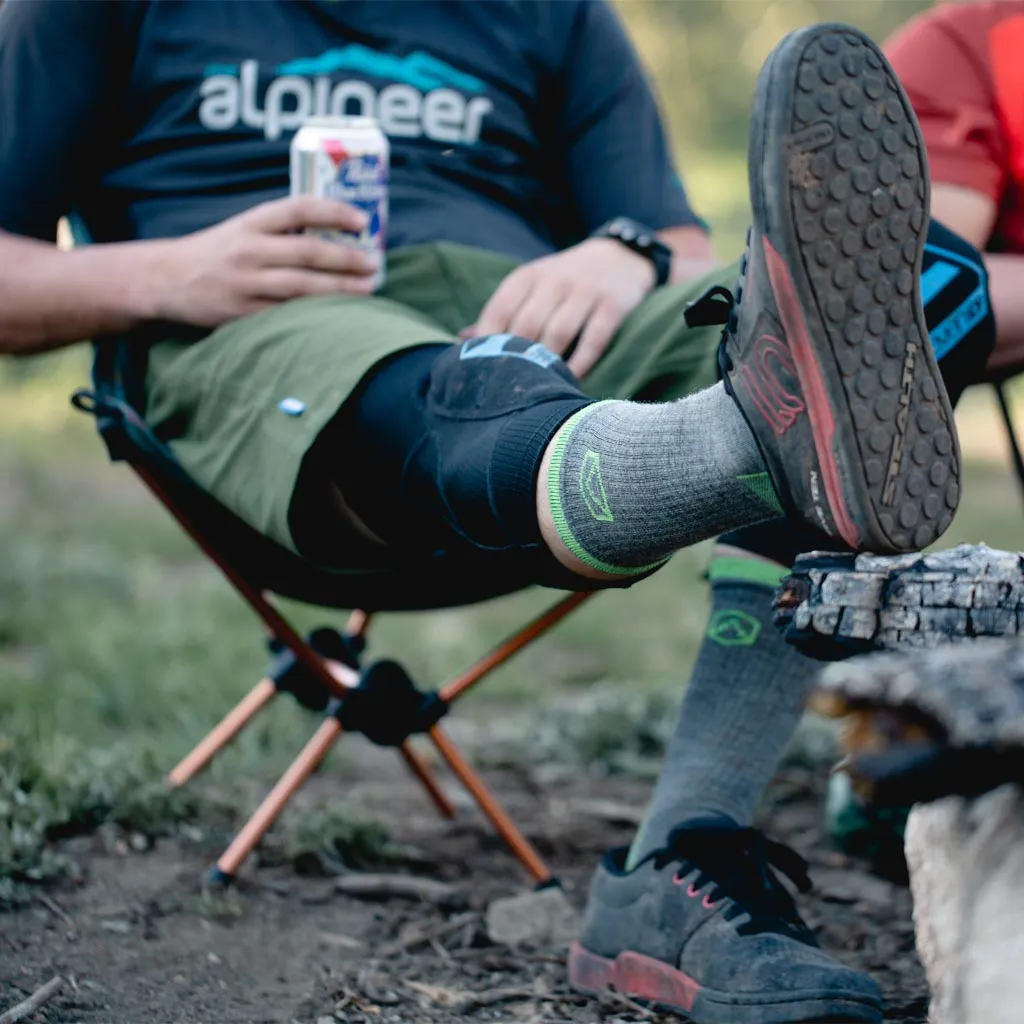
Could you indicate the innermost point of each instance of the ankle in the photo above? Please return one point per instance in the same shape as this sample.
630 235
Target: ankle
625 485
554 530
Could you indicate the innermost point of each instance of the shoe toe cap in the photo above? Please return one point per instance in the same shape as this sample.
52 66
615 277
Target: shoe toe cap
781 966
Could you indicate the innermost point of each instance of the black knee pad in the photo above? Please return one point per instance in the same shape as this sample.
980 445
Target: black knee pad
493 405
452 437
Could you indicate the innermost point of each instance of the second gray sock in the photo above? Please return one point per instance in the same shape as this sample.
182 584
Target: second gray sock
745 699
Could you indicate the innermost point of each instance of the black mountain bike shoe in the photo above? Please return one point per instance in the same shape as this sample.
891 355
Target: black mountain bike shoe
705 928
826 349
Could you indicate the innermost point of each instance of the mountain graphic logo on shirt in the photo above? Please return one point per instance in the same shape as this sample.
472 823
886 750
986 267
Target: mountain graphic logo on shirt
418 69
424 96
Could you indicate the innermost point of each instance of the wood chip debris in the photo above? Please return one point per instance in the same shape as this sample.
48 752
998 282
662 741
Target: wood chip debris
383 887
36 1001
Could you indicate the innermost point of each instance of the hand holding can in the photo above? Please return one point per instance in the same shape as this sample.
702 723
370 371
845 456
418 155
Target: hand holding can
346 159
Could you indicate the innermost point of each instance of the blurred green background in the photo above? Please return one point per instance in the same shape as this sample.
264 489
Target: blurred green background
117 636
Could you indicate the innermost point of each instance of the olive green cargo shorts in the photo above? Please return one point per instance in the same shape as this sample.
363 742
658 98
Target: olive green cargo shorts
244 405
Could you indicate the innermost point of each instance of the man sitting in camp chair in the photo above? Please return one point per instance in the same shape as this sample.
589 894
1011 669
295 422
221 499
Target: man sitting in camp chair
802 409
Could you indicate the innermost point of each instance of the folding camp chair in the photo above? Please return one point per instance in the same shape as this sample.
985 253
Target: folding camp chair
323 671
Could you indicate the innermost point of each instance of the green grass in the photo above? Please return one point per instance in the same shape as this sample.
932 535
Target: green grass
121 645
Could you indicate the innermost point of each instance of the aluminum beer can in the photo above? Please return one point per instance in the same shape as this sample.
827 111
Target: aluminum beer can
346 158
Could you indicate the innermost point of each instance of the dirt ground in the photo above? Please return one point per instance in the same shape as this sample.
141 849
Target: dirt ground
139 944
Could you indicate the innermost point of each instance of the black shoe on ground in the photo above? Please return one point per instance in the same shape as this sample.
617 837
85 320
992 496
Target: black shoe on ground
826 351
705 928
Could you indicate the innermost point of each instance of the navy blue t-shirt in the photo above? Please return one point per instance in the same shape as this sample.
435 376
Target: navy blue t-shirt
515 125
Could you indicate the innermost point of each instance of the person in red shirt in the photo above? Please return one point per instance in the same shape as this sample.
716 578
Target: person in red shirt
962 65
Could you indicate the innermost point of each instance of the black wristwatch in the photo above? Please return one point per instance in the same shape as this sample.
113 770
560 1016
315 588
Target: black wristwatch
642 240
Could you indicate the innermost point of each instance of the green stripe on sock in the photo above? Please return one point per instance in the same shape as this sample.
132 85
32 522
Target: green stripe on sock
760 485
745 570
558 513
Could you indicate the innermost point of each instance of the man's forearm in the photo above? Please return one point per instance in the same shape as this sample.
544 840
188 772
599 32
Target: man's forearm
50 298
1006 288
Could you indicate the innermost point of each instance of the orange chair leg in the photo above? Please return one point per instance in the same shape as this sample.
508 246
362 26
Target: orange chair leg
422 772
277 625
515 643
488 804
336 679
277 799
223 732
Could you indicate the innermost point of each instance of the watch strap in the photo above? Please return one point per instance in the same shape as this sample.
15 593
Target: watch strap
641 240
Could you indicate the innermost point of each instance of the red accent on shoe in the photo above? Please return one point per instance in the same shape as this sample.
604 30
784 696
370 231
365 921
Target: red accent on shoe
819 409
634 975
773 401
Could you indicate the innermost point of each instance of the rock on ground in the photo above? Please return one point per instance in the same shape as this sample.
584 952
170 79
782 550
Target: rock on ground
540 918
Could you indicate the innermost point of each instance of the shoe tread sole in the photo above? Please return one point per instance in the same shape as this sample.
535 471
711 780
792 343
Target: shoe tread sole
856 184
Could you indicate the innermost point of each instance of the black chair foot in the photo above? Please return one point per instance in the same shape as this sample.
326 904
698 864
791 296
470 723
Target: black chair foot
215 878
554 882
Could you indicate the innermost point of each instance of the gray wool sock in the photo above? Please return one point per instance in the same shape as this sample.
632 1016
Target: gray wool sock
745 699
630 484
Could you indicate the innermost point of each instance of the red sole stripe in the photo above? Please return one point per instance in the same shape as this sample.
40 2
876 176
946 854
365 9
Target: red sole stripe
819 409
634 975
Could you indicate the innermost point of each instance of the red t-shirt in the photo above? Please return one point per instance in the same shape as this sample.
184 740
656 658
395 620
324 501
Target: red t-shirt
962 65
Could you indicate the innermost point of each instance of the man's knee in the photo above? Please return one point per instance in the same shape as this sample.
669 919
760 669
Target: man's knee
453 438
493 405
492 376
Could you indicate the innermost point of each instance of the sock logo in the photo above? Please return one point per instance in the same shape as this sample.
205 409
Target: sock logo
732 627
592 488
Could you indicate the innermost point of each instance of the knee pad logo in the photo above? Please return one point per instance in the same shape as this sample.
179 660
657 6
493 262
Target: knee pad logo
493 346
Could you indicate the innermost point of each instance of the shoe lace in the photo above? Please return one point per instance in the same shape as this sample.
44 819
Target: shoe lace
718 305
715 306
737 863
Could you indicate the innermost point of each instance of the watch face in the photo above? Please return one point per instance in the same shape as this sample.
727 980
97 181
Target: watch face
641 240
633 234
